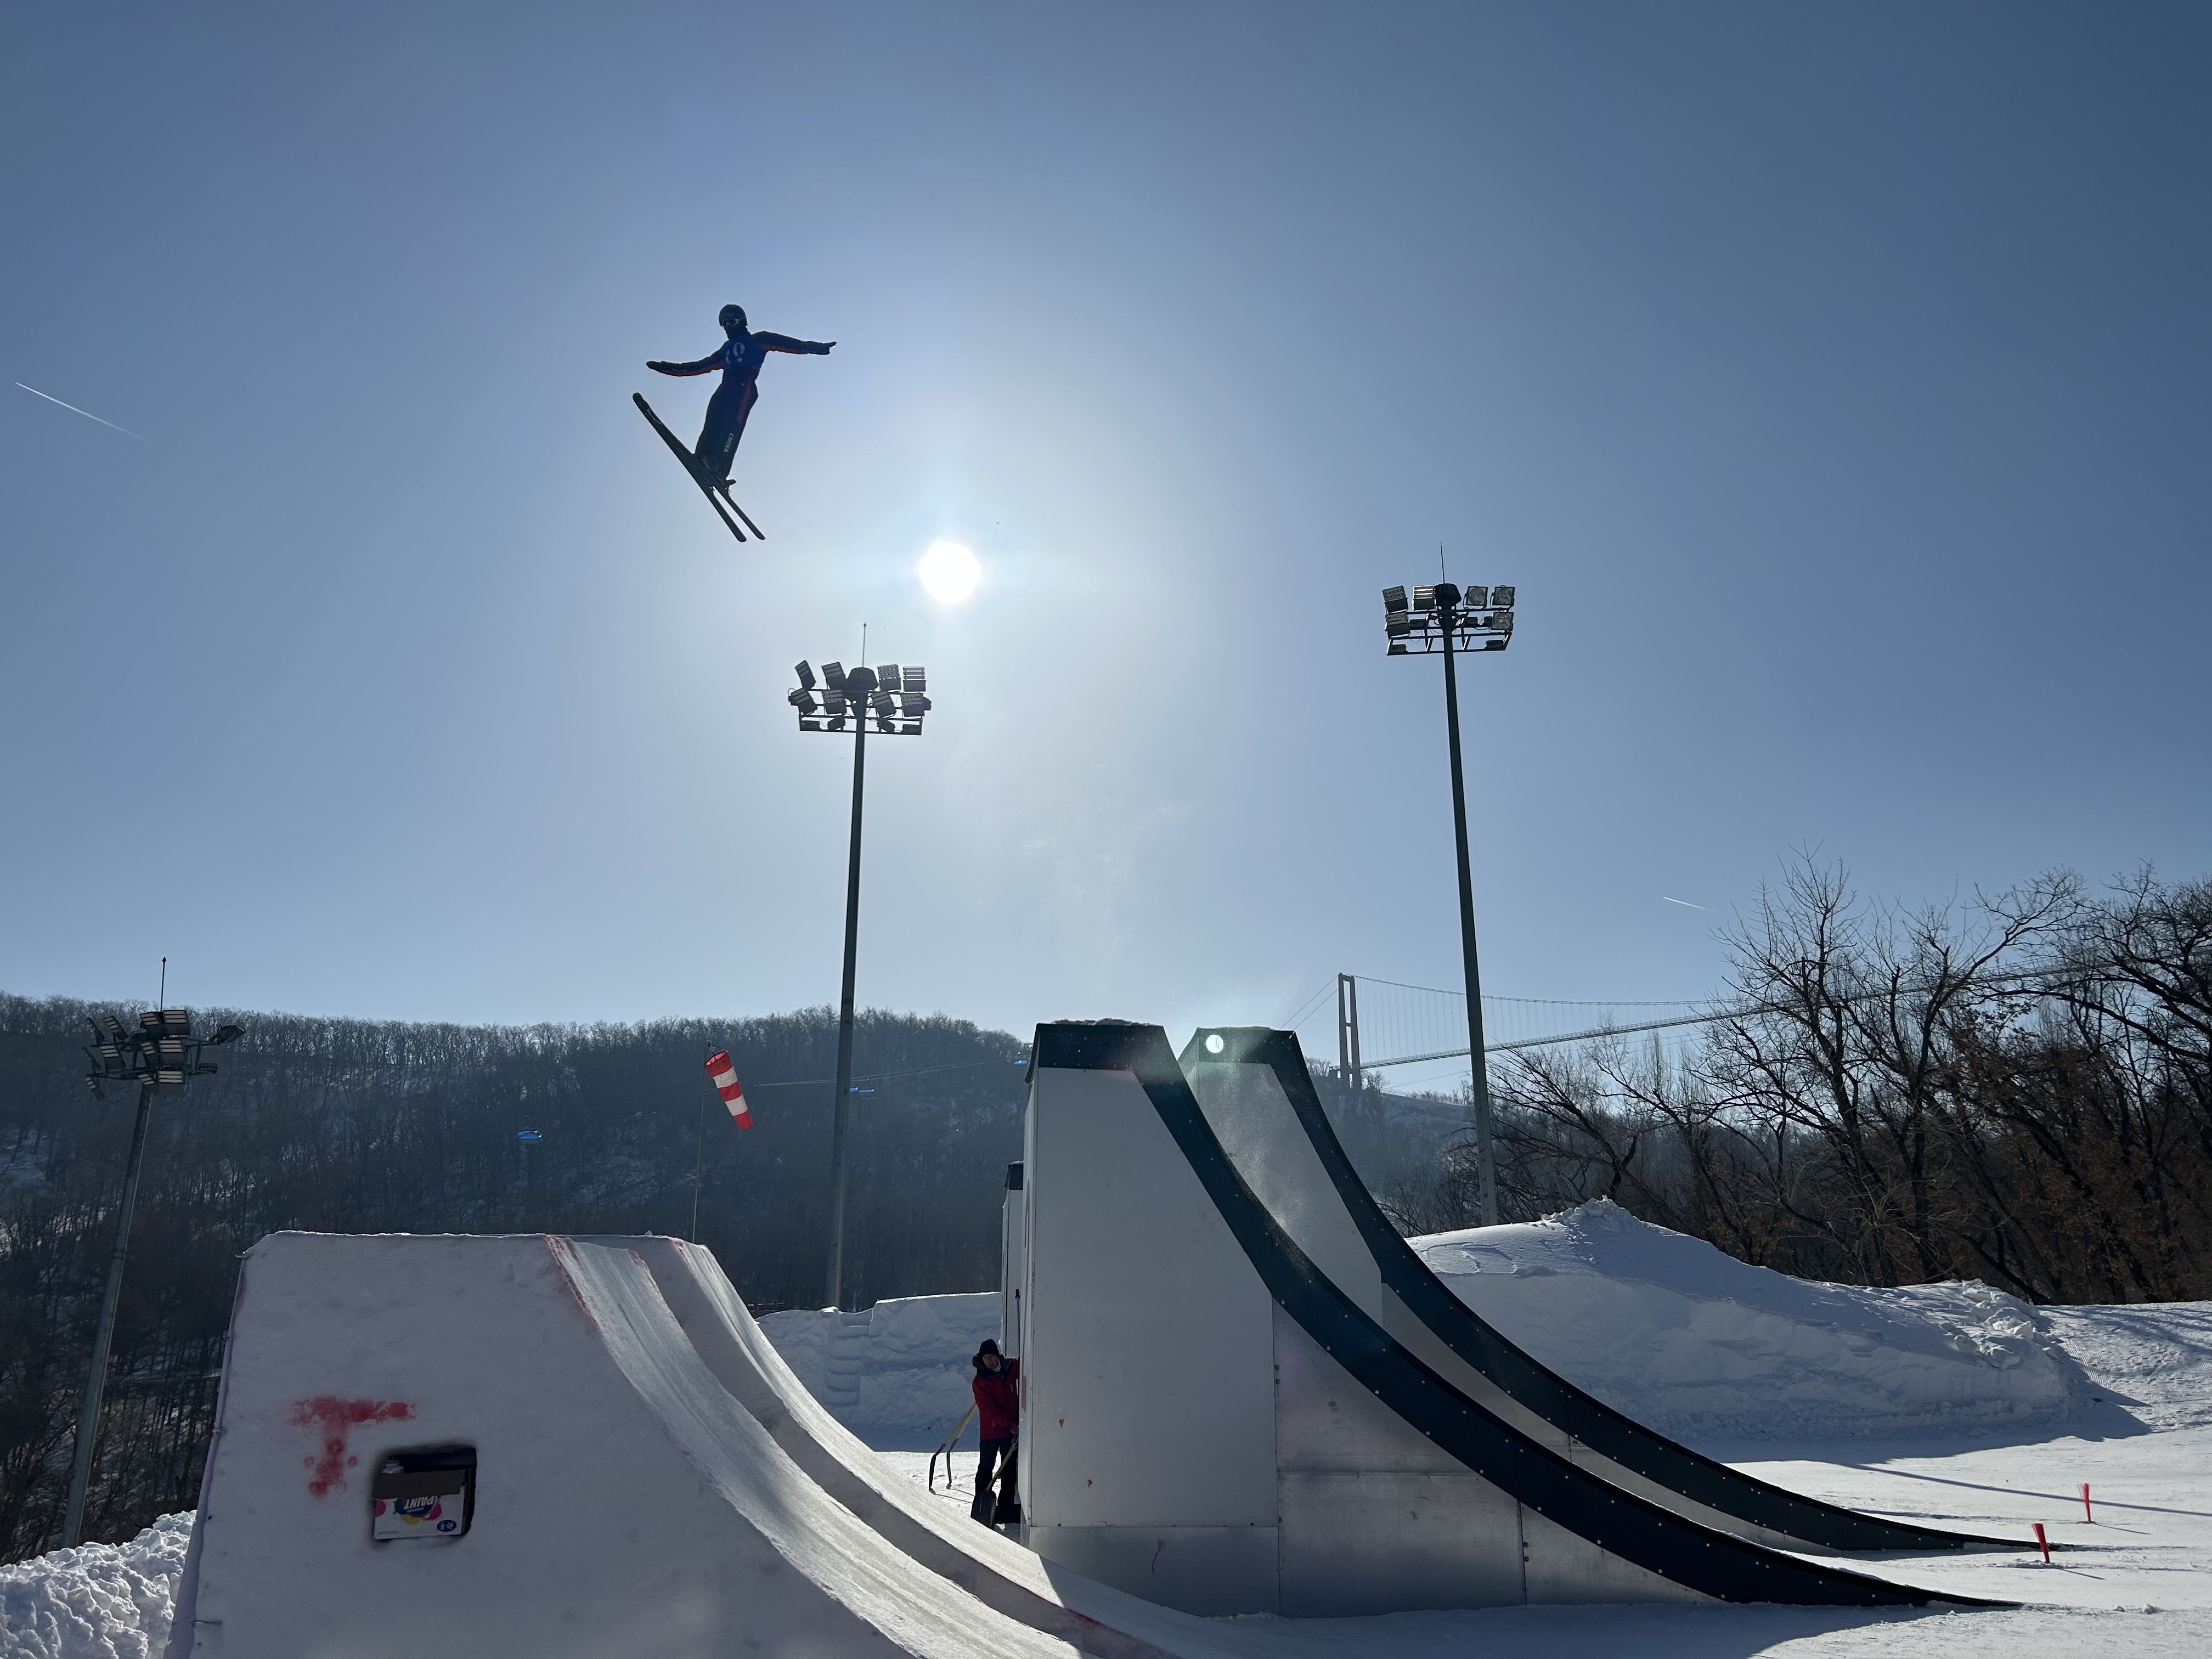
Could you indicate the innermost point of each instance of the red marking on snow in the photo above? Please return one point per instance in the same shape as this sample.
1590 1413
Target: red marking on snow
2086 1513
337 1419
2042 1543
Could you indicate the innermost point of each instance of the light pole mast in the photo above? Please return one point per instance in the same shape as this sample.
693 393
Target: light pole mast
95 1385
160 1057
841 1112
1444 619
895 698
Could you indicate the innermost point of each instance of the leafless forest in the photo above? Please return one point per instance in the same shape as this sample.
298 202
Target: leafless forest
2019 1090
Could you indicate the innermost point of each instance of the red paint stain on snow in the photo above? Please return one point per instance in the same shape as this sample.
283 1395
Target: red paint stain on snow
337 1419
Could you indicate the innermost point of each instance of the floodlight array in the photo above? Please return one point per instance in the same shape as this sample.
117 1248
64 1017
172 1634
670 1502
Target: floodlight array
163 1052
1441 617
895 698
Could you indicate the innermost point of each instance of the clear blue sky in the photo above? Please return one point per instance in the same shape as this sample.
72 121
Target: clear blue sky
1831 381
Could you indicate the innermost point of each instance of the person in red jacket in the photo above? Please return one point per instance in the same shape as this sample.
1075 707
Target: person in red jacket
997 1413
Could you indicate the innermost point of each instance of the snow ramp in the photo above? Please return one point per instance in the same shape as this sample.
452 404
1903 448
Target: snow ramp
1211 1421
618 1497
998 1572
1258 1097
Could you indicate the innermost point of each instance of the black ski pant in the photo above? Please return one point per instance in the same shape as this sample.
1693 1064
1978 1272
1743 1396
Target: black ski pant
727 411
998 1453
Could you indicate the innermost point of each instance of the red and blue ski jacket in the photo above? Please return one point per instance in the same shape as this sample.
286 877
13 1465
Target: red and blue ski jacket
996 1402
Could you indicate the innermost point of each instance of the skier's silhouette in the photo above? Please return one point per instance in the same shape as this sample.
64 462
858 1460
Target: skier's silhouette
740 360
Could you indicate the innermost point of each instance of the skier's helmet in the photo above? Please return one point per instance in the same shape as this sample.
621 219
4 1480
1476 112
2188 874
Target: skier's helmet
730 315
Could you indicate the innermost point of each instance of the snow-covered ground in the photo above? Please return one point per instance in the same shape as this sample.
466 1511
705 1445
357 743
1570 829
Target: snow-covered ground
1951 1404
96 1601
898 1375
1697 1344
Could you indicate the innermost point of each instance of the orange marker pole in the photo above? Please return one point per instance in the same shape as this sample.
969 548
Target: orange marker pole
2042 1543
2086 1513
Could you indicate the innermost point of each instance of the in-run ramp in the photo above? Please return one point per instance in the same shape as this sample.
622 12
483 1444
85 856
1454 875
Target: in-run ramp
1258 1097
1211 1421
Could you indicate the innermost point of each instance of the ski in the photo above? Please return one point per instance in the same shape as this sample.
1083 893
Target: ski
718 497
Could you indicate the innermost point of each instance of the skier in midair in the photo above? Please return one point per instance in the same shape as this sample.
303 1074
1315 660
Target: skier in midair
740 360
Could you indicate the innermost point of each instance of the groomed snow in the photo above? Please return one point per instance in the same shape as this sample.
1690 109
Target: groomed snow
1700 1346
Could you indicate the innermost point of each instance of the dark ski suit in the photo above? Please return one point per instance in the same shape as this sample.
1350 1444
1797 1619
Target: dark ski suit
739 359
997 1414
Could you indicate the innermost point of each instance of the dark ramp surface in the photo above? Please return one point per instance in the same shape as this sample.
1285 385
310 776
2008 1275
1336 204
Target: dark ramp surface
1626 1450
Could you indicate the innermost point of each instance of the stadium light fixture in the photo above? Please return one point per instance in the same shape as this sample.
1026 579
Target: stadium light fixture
896 697
1444 620
161 1057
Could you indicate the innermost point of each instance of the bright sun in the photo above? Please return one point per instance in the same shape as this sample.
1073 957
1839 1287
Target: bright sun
950 572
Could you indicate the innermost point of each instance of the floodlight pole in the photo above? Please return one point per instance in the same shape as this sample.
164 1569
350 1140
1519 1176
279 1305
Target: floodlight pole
1478 1060
95 1387
897 699
841 1111
1429 620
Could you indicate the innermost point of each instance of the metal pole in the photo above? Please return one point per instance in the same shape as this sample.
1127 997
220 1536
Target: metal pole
1479 1074
1343 1039
1352 1020
842 1109
95 1387
699 1151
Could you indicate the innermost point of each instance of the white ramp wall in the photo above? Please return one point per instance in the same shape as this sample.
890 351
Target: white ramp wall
1013 1261
1148 1438
625 1502
1185 1439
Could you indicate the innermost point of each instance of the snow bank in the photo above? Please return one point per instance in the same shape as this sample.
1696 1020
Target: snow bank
898 1375
96 1601
1659 1325
2152 1359
1700 1346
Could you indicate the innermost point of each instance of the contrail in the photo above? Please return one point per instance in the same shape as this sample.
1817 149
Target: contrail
86 413
1686 904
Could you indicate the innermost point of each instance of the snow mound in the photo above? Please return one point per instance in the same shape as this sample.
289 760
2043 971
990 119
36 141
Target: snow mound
2153 1358
1689 1340
897 1375
97 1601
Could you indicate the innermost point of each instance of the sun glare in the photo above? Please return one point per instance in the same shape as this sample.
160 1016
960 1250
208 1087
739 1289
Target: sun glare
950 572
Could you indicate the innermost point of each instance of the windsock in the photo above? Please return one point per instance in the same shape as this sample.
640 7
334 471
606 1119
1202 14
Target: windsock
733 1093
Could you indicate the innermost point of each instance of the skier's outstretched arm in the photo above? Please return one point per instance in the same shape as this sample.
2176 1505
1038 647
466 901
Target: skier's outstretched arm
706 365
785 343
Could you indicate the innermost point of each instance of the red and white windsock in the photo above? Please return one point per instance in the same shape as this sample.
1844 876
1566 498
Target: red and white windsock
733 1093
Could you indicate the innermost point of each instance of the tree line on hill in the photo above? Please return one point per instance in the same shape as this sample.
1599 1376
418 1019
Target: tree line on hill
2019 1091
355 1126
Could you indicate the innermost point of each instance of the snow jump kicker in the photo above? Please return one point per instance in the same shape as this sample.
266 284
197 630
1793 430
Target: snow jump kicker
1343 1437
